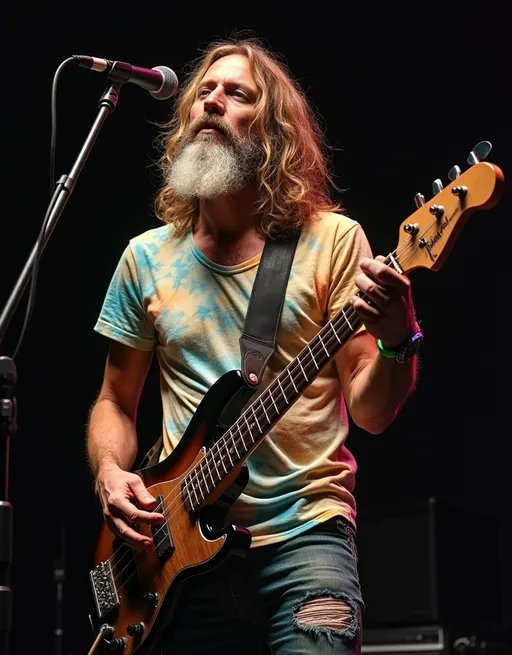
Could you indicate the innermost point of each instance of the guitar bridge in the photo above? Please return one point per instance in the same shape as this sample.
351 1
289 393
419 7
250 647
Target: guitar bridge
104 589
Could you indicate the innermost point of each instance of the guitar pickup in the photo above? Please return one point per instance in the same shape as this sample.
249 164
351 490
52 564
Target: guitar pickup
162 538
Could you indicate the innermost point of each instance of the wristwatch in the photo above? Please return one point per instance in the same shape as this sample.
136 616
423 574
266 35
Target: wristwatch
404 351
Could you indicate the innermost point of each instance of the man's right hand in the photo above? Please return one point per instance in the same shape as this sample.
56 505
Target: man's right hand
125 501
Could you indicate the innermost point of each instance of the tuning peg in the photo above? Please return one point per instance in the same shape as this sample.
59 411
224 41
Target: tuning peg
479 152
419 200
437 186
454 173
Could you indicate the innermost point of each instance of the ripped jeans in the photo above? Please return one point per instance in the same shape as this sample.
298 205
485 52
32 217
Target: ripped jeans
297 597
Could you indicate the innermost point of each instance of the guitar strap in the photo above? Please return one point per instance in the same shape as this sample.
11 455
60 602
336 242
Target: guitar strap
258 339
257 342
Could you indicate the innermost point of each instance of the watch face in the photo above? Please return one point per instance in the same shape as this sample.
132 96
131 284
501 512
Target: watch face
410 348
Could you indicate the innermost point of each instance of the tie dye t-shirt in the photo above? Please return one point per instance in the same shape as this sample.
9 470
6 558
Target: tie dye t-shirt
166 296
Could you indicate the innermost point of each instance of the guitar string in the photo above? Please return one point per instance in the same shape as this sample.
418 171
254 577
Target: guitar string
222 443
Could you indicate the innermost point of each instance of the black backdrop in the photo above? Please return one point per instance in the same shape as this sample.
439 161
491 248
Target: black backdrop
403 93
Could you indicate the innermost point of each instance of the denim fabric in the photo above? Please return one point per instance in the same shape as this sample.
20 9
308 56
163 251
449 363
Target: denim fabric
249 605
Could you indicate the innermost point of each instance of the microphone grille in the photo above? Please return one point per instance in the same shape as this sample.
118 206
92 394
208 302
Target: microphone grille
169 85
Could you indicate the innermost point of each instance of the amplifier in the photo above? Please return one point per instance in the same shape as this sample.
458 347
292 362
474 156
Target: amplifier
432 564
433 640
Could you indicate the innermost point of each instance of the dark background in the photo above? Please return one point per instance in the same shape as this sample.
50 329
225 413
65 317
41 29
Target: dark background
403 94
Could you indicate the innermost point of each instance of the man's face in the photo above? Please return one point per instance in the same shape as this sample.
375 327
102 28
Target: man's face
216 155
225 99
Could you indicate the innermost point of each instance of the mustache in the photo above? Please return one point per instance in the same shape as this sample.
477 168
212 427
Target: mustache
209 121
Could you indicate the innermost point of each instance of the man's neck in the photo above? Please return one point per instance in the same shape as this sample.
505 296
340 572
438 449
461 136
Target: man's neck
226 228
228 218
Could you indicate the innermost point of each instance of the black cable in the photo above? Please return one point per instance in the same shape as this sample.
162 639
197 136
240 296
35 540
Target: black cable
54 192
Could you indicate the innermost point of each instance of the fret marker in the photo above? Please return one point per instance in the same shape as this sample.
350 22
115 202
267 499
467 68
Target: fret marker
206 459
256 419
217 445
229 454
234 445
202 471
249 428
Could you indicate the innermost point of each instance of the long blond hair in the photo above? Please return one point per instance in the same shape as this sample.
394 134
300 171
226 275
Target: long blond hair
294 175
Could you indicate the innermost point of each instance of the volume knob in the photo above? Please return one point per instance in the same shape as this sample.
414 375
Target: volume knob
118 645
135 629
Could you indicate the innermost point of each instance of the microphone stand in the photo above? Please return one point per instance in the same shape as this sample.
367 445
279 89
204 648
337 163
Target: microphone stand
8 372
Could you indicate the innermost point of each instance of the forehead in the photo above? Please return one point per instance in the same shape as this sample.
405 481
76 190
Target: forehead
231 67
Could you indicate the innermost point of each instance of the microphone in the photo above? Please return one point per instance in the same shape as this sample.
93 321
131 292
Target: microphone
161 82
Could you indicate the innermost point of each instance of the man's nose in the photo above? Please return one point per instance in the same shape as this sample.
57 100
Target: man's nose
213 103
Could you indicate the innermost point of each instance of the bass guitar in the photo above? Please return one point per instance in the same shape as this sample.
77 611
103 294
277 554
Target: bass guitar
134 592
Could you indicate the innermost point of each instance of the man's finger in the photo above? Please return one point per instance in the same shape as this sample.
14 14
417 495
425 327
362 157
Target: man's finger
141 493
384 274
128 534
131 536
129 512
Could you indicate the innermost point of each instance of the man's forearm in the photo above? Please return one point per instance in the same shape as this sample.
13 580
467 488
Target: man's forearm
111 437
380 389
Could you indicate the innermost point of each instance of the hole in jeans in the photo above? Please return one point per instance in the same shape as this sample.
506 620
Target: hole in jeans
328 613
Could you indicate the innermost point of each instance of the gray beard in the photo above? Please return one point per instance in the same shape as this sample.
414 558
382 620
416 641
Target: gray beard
210 166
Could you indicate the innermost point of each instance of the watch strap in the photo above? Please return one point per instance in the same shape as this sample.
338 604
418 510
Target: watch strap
402 352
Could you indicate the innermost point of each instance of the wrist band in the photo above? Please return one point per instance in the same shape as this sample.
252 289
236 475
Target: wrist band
391 354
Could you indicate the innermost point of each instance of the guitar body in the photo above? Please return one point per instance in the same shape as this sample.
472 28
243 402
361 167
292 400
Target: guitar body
135 592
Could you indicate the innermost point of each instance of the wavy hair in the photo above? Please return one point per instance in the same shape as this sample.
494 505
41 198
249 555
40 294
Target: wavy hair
293 177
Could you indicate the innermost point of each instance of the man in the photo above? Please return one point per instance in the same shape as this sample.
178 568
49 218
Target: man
243 160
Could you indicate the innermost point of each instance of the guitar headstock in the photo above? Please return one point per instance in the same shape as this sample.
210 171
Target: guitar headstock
428 235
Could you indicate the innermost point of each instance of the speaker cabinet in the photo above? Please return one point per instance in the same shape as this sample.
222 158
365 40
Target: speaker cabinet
432 564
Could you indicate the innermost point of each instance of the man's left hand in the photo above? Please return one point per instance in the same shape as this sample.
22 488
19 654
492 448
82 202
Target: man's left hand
386 309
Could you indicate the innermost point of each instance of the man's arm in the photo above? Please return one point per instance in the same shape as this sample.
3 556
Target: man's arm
112 444
111 434
374 386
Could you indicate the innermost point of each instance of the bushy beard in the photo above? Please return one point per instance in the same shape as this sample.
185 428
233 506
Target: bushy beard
212 165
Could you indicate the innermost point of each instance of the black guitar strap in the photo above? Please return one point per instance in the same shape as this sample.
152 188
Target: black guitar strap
257 342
